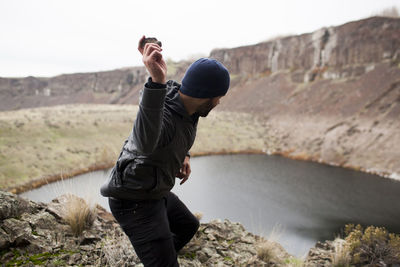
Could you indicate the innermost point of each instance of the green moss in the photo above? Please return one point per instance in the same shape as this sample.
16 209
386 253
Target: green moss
59 262
294 262
37 259
227 258
230 242
190 255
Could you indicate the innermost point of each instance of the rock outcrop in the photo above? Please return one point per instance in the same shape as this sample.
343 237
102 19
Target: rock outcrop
120 86
37 234
330 96
99 87
345 48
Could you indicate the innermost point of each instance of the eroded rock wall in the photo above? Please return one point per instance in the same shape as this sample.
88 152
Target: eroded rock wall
356 43
331 96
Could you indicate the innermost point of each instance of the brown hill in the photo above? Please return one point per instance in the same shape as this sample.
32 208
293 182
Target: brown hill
332 95
120 86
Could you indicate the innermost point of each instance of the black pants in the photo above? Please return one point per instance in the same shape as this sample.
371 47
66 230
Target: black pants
157 229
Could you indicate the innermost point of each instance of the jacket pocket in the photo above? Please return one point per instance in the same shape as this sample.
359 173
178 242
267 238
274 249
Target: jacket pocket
141 177
112 182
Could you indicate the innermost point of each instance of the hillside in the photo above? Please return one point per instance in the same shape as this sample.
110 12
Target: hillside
331 96
49 143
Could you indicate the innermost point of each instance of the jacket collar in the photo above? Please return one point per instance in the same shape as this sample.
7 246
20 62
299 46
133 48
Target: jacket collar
175 102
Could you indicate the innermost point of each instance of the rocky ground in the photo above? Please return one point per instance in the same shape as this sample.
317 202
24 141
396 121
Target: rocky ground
33 234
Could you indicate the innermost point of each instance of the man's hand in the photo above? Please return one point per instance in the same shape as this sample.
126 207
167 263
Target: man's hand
185 170
154 62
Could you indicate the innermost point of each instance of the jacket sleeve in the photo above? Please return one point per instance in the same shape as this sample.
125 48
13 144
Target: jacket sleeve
147 128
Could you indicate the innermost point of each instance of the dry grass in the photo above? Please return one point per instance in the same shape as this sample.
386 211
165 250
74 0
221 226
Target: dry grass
341 257
52 140
198 215
78 213
270 251
223 131
266 251
48 141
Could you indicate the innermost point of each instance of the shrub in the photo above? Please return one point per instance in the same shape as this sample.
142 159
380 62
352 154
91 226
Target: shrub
373 246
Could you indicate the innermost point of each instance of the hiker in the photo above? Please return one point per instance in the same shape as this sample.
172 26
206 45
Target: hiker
156 221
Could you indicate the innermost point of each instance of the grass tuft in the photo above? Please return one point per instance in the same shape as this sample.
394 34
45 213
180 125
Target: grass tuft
266 251
341 256
198 215
78 214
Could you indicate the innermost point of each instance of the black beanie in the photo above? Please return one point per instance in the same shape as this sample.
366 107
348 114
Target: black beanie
205 78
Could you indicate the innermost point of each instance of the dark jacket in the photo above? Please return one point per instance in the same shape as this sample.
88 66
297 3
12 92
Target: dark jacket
162 135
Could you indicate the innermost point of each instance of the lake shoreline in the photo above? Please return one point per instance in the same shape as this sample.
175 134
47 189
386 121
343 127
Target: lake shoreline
36 183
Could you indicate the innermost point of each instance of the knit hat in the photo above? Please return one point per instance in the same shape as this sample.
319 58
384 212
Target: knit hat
205 78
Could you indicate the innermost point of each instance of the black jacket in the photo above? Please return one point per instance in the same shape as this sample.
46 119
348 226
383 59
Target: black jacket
162 136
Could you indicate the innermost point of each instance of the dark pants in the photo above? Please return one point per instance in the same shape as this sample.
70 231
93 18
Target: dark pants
157 229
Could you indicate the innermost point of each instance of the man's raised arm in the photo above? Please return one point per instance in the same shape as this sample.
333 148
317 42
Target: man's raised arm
147 128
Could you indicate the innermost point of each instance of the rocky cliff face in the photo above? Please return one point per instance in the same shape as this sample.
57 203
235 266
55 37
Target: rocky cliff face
342 49
331 96
346 51
99 87
119 86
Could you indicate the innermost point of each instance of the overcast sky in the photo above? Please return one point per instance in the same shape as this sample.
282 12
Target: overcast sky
50 37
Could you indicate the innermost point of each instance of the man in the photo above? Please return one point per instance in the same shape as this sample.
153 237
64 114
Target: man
157 223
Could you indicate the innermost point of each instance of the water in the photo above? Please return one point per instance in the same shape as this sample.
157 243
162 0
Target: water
295 202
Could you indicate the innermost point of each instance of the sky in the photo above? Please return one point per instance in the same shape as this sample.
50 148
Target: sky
51 37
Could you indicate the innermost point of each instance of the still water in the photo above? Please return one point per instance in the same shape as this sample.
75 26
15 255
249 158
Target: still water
298 202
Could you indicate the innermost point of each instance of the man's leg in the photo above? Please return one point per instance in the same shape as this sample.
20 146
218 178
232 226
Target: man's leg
156 253
146 224
182 222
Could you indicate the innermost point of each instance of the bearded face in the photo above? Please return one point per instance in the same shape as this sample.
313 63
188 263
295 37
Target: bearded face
207 106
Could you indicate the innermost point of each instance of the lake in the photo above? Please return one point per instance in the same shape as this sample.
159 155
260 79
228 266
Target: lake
294 202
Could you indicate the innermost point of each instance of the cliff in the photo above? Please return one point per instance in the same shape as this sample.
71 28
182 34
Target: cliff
331 96
333 53
120 86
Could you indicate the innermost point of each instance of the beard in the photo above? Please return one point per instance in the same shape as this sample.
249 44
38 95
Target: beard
205 108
